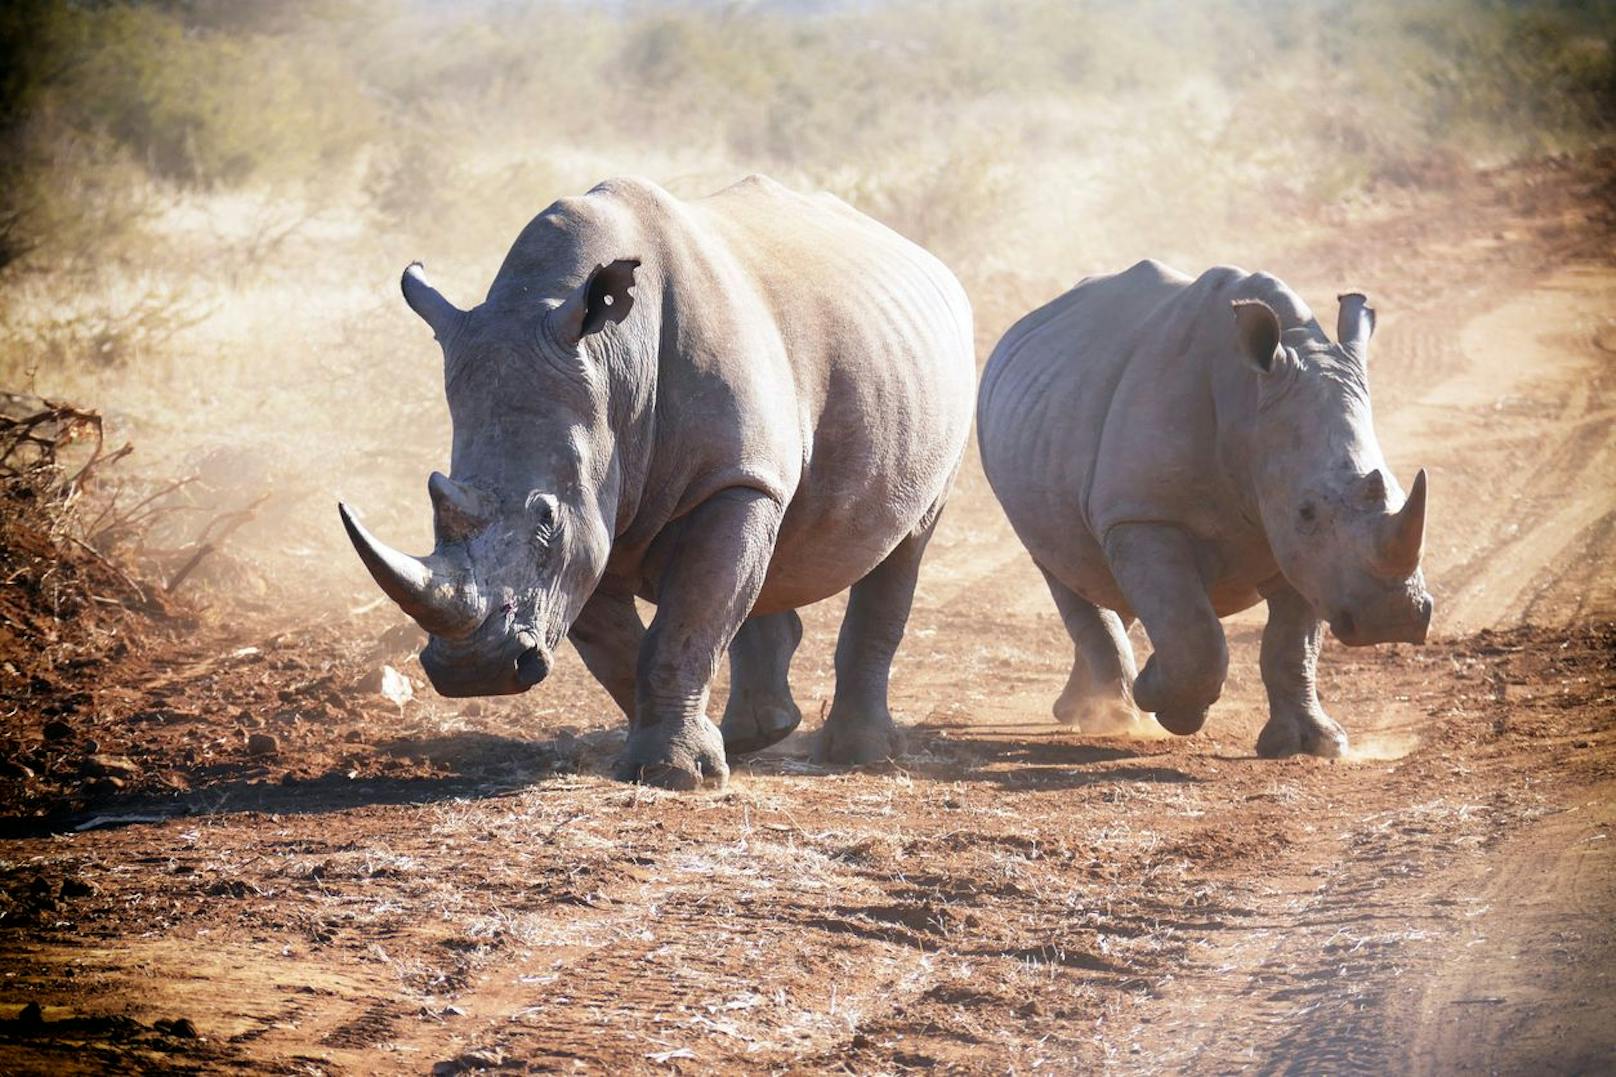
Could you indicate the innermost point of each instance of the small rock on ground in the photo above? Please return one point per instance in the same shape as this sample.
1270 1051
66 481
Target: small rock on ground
181 1027
110 766
78 888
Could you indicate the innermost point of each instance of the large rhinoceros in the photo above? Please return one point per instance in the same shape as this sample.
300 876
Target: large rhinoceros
1178 449
730 407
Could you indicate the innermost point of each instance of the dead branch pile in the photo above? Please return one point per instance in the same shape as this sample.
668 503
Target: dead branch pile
65 607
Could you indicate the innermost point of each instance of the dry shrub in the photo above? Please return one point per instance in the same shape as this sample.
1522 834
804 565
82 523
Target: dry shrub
66 607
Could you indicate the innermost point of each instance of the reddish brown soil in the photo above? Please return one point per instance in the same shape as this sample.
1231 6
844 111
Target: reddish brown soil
448 886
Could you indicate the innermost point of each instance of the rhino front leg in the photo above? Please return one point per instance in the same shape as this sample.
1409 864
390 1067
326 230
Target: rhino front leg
859 728
712 577
607 635
1297 724
760 711
1158 568
1098 697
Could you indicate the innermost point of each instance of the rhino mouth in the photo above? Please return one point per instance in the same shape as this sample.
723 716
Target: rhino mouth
1356 632
457 672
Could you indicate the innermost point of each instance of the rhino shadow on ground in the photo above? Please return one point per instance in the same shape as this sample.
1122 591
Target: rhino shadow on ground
1010 762
461 765
472 765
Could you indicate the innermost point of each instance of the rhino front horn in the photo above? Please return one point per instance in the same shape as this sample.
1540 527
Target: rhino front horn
431 596
1405 532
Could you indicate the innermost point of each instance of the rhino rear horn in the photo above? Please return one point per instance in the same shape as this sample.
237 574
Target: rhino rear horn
1354 321
443 316
458 511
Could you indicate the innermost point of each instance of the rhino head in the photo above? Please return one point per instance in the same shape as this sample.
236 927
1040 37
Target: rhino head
524 526
1341 529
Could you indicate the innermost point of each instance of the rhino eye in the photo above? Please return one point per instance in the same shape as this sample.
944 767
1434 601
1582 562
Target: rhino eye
541 509
544 526
1308 513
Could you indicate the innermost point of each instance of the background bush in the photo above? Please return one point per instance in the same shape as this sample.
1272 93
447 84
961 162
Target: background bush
210 93
204 204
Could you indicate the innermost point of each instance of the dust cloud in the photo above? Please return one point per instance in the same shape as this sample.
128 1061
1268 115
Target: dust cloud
209 204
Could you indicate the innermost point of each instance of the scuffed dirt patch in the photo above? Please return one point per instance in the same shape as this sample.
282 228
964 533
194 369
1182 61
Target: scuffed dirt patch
1000 903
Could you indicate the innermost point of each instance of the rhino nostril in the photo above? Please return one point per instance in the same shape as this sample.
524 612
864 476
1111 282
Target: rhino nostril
531 667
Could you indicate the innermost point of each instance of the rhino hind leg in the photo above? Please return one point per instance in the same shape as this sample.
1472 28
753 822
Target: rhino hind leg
859 727
1297 724
760 711
1098 697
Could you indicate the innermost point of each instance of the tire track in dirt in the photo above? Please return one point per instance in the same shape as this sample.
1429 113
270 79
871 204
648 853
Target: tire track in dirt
720 960
1498 992
1523 437
1329 984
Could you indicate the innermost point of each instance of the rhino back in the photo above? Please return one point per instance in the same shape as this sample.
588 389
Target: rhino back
874 336
1175 444
1045 404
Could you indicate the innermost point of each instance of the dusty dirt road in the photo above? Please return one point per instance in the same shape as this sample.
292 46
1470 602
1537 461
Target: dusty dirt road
440 887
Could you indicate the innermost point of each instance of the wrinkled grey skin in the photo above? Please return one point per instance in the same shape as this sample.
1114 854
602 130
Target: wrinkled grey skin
730 407
1178 450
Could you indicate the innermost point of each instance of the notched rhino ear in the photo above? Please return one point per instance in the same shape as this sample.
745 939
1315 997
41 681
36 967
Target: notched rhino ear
1257 326
606 296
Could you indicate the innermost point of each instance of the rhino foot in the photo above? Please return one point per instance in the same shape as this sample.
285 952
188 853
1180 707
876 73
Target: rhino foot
1314 734
1096 715
1179 704
673 755
1183 721
872 738
753 728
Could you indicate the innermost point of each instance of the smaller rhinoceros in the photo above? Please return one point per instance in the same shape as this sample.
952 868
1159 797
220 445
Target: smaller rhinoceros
1178 450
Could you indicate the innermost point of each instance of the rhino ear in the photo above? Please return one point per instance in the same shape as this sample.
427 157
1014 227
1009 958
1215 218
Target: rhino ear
1355 321
605 297
1257 327
442 315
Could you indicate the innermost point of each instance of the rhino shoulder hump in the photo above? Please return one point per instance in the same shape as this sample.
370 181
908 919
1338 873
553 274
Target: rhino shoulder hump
1220 277
628 185
1151 269
758 179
